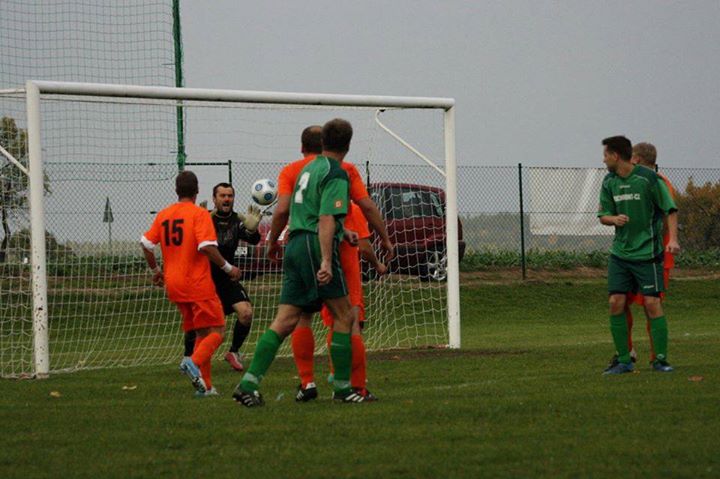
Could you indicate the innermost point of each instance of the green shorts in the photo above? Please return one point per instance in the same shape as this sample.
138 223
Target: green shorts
644 277
301 262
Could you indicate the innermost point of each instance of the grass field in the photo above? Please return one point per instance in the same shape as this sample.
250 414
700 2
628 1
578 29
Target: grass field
523 398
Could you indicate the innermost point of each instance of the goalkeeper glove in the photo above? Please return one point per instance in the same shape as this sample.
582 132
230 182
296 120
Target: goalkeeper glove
251 219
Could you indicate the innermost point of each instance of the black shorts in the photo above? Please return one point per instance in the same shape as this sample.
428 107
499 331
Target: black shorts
230 292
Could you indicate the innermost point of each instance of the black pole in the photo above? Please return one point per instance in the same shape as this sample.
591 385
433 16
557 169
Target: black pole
230 171
522 224
179 81
367 173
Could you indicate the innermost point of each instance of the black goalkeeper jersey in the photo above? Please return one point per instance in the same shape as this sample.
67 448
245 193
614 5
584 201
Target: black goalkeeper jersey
230 230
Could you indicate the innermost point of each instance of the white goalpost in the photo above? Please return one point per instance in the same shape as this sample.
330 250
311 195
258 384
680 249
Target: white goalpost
91 141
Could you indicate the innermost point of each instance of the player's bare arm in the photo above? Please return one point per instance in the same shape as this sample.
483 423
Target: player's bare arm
351 237
367 252
157 278
214 255
374 217
673 245
279 221
326 233
614 220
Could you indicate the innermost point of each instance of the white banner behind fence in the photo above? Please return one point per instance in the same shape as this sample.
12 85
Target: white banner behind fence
565 201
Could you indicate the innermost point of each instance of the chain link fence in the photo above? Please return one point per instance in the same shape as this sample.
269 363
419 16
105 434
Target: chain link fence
546 218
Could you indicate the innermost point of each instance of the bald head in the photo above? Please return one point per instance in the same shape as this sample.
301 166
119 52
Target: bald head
311 139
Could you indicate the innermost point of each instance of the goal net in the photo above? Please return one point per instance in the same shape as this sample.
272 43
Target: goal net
87 301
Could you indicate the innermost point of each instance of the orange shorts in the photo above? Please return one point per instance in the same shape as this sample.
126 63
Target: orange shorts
638 298
350 263
201 314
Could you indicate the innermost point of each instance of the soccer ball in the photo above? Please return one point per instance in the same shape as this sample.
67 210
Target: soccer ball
264 192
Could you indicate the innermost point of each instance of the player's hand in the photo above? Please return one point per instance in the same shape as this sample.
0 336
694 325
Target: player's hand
621 220
157 278
234 274
351 237
673 247
381 269
252 218
273 251
389 248
324 274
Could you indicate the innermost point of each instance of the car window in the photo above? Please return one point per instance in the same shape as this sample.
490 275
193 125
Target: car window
405 203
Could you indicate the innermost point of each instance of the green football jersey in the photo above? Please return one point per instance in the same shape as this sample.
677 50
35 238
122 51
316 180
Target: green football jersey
322 188
645 199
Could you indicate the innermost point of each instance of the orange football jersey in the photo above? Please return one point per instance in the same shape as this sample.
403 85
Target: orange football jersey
182 229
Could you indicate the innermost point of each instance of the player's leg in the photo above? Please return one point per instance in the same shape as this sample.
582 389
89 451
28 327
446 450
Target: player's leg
358 374
189 343
210 321
341 348
299 293
187 366
350 262
620 282
648 322
267 347
630 299
234 299
650 276
303 348
241 329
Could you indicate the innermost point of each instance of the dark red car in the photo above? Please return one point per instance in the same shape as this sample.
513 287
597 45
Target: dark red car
415 219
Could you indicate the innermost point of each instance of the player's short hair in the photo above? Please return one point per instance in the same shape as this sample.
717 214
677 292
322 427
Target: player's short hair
186 184
646 152
222 185
620 145
336 135
311 139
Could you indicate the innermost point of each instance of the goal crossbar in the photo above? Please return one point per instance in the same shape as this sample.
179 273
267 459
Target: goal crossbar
244 96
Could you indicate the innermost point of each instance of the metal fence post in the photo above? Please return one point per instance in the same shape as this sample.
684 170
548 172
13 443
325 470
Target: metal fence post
522 224
229 165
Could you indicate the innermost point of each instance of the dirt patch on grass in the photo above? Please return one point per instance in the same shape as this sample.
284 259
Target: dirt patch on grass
440 353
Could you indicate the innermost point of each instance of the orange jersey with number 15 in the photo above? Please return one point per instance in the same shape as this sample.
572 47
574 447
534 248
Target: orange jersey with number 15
182 229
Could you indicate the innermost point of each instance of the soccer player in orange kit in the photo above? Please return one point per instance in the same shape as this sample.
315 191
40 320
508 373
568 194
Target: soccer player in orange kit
187 239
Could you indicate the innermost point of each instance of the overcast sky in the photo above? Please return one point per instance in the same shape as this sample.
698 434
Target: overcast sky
536 82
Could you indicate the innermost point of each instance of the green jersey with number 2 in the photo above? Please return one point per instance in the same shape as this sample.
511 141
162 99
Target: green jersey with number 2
322 188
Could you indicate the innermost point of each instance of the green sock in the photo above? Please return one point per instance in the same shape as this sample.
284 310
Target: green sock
619 330
342 360
265 351
659 333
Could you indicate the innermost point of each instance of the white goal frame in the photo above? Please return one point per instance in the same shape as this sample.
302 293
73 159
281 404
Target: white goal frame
35 89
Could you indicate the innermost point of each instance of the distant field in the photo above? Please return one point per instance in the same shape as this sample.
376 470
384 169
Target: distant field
523 398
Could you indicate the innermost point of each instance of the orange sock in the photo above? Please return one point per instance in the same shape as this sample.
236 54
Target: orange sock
303 347
204 349
629 319
205 369
358 369
328 339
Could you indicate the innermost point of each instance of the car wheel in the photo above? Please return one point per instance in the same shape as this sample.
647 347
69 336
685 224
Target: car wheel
435 267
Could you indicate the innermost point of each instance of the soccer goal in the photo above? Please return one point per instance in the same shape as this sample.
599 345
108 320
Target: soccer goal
85 169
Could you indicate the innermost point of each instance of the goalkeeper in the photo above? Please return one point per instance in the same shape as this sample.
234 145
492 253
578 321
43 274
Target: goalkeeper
231 227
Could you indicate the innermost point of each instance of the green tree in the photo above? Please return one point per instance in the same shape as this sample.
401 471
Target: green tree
14 184
699 216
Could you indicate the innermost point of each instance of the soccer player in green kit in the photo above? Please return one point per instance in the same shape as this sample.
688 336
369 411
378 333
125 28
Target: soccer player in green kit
311 266
635 201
